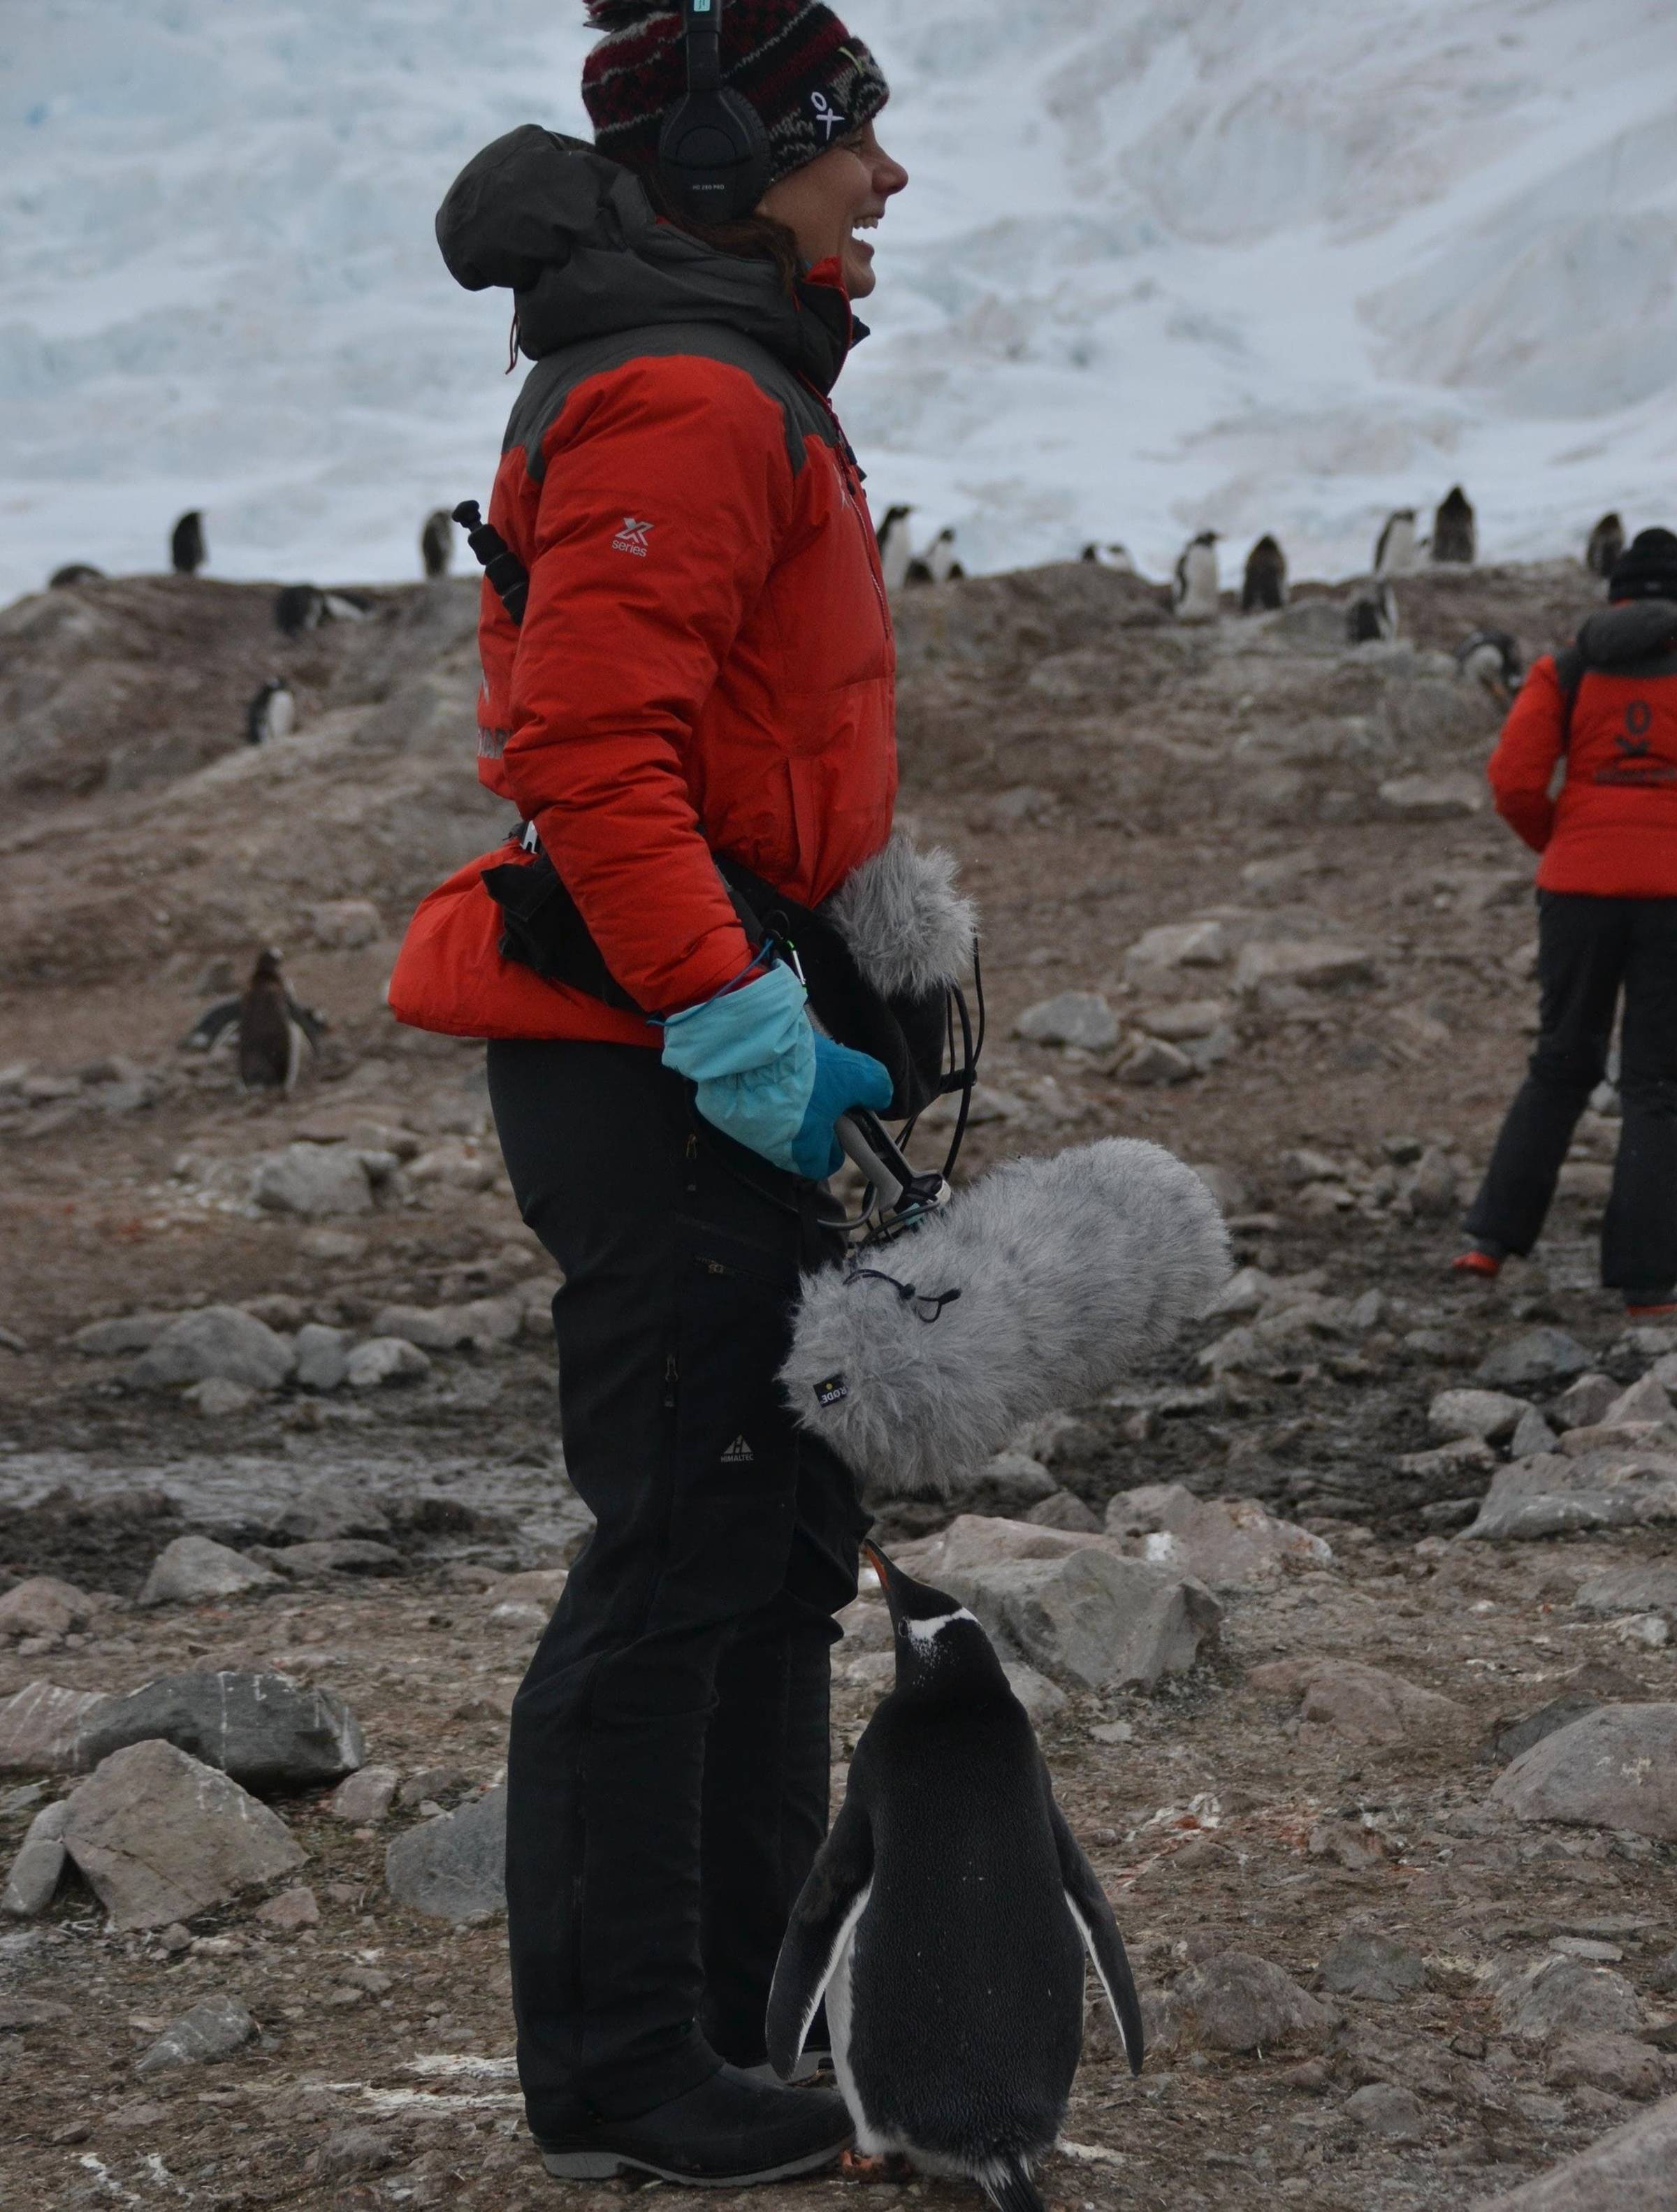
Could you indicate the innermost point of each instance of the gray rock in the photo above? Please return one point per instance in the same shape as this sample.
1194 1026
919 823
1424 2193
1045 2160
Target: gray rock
384 1359
217 1399
160 1837
317 1516
128 1334
1583 1404
1645 1400
1492 1414
1309 963
1446 798
36 1873
1627 2170
1577 1693
1560 1996
433 1328
1093 1620
1191 1021
1532 1435
1553 1492
1363 1964
337 1555
1040 1697
219 1341
194 1567
44 1606
1534 1356
1621 2065
1180 944
41 1726
1650 1586
363 1799
1153 1061
265 1730
1615 1768
451 1868
214 2029
323 1356
1008 1486
1080 1018
1063 1508
314 1180
1430 1187
1364 1704
1230 1542
1236 2002
350 2151
1386 2108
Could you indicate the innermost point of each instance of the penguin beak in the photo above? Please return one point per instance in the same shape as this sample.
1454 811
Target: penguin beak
881 1566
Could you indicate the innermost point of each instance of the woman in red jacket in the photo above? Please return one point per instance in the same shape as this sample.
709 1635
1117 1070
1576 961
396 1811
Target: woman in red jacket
1608 927
703 672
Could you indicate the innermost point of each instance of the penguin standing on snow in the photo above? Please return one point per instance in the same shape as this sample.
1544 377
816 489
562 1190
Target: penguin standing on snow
938 564
273 1028
1372 616
1491 658
436 542
1394 549
272 713
187 550
1455 533
946 1919
1607 543
1265 588
1193 586
895 549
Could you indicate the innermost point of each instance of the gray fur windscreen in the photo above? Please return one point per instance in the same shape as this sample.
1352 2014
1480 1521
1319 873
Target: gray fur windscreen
1073 1272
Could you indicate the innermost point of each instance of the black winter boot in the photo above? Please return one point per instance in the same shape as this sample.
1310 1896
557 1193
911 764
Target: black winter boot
729 2131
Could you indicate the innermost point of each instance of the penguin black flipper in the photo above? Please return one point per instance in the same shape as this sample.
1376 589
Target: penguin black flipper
209 1025
1100 1939
314 1025
829 1906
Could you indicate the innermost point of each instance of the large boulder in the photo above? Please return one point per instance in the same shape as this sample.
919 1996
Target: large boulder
265 1730
1614 1768
1628 2170
160 1836
40 1728
222 1341
194 1567
453 1867
1364 1704
1090 1619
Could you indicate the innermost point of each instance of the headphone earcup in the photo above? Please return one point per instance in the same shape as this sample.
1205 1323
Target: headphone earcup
712 156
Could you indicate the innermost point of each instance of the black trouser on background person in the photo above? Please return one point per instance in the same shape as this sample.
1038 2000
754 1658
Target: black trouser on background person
1590 951
667 1770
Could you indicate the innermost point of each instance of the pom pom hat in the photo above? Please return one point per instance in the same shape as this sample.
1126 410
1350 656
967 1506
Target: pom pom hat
809 79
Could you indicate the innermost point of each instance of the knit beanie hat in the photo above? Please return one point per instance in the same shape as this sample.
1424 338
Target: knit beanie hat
810 80
1647 569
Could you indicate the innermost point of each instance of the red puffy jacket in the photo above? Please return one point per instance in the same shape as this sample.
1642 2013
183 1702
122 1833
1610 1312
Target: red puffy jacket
705 663
1611 829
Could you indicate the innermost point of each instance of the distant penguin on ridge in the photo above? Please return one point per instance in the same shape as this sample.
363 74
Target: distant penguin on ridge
272 713
74 572
1110 555
345 606
1607 543
895 547
947 1921
299 607
1491 658
187 550
1193 588
1265 587
272 1028
1394 549
1455 533
1372 616
938 564
436 542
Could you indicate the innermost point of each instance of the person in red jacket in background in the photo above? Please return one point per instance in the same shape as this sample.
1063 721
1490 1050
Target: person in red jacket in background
1607 895
704 667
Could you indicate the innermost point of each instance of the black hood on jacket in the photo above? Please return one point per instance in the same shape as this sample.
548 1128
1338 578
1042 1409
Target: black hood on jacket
1635 630
576 239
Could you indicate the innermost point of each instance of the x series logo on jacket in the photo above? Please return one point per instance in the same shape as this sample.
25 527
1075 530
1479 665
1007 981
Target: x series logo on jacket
632 538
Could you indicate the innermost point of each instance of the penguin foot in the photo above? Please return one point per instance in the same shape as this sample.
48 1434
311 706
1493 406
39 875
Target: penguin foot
858 2165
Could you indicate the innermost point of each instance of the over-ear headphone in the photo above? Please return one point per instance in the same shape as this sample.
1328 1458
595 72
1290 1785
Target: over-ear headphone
713 152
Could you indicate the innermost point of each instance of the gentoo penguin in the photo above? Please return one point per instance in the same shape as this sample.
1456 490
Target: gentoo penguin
1111 554
1265 584
937 563
272 713
1491 658
299 607
1194 587
74 572
187 550
945 1921
1454 537
1607 543
273 1028
436 542
1394 548
345 606
896 550
1373 614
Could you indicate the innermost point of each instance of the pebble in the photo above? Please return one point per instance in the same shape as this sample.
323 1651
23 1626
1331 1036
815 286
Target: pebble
363 1799
291 1909
1386 2109
32 1882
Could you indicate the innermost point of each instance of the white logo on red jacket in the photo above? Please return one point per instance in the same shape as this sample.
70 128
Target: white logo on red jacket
632 538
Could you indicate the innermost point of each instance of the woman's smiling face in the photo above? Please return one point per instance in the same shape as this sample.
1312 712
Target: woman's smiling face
827 202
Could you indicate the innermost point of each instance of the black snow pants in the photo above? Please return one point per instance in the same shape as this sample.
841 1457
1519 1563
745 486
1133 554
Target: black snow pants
1590 951
667 1769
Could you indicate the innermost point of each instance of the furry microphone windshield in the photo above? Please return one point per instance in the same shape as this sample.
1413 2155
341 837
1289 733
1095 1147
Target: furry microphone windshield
1039 1287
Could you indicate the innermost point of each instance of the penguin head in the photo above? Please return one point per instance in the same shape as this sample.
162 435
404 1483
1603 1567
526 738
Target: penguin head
938 1643
268 964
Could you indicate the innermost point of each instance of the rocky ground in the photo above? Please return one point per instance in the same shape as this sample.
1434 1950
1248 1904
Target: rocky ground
1377 1766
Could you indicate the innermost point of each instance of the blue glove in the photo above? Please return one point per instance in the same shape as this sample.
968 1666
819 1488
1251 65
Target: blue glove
766 1080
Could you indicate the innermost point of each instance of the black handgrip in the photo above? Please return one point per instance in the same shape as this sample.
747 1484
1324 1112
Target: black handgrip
506 571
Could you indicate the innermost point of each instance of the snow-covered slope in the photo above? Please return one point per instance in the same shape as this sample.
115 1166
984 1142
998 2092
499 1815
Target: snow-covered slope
1242 263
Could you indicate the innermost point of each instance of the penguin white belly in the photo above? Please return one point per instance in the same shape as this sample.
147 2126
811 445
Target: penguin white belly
295 1041
876 2141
